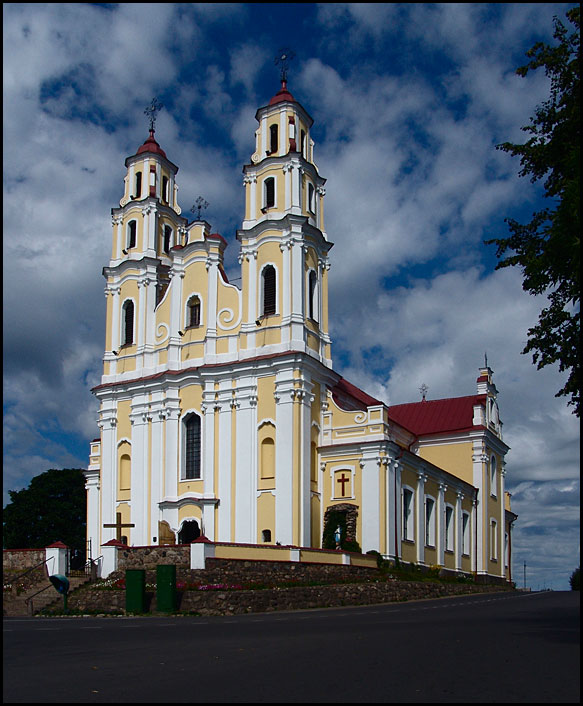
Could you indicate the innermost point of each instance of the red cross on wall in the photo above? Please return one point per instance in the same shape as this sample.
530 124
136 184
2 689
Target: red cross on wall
343 479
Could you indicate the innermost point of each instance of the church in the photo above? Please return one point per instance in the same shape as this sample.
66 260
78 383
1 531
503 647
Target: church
221 413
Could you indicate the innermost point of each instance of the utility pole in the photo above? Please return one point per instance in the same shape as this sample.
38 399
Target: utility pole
525 575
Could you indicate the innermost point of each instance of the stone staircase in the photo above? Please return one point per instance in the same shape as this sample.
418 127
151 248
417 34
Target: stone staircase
43 594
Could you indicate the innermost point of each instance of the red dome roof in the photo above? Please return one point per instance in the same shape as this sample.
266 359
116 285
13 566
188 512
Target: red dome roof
150 145
282 95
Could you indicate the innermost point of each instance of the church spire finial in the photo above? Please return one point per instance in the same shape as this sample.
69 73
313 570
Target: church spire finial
424 390
282 59
154 107
198 206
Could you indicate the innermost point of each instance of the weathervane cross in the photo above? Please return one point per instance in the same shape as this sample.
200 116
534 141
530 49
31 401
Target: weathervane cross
154 107
282 59
199 204
423 390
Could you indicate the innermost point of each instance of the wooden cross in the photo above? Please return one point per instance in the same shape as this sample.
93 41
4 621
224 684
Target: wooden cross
343 480
118 526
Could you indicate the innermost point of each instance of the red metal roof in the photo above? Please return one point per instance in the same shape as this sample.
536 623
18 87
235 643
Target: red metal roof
349 397
150 145
434 416
282 95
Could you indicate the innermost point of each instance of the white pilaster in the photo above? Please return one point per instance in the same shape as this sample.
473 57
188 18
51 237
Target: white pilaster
284 456
370 466
458 529
246 461
108 424
420 516
440 529
139 418
226 406
92 486
158 413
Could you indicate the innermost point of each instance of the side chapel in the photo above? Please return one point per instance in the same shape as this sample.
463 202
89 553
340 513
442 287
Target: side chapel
220 411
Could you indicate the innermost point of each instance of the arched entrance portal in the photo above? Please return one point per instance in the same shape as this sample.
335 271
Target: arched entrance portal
188 532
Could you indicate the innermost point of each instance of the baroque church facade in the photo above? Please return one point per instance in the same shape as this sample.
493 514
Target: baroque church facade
220 411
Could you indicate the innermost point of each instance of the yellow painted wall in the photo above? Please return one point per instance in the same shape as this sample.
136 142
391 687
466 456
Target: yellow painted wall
454 458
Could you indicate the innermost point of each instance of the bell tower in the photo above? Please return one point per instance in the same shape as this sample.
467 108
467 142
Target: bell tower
146 226
284 247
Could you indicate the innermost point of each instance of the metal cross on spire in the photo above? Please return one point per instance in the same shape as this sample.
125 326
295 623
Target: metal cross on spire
154 107
284 56
424 390
199 205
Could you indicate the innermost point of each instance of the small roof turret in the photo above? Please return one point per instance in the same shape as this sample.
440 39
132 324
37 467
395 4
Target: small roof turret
282 95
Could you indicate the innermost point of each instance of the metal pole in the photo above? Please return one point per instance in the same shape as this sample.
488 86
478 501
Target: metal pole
525 575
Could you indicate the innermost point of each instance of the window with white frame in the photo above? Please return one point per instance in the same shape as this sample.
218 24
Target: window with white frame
192 446
131 235
127 331
269 193
449 528
493 540
408 515
193 312
430 522
465 533
269 289
313 296
493 476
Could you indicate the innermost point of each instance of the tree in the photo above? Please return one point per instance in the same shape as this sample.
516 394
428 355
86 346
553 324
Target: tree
547 248
52 508
575 580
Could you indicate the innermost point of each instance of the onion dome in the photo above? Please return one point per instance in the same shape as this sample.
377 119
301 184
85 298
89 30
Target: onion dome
150 145
282 95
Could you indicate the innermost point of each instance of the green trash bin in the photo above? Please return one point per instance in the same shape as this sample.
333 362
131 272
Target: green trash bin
135 591
166 588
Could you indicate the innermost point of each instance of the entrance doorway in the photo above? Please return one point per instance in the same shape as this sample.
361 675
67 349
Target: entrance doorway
188 532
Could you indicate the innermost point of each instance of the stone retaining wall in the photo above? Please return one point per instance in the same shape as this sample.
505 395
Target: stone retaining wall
268 600
19 560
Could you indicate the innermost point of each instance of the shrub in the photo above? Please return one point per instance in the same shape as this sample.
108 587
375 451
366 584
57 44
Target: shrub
575 579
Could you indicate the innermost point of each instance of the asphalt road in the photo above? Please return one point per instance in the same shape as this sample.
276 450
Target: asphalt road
488 648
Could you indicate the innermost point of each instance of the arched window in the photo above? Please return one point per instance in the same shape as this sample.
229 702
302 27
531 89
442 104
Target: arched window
465 534
493 540
269 290
273 139
167 239
138 186
430 522
313 296
311 198
408 518
493 478
193 312
269 193
267 459
303 143
132 227
266 535
165 189
449 528
125 468
192 447
128 323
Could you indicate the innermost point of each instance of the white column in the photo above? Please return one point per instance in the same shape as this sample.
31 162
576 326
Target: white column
149 320
176 321
212 265
478 461
458 529
370 466
246 461
208 444
393 510
139 418
420 503
305 399
108 424
440 529
172 453
157 476
224 442
284 456
297 294
286 286
92 486
502 524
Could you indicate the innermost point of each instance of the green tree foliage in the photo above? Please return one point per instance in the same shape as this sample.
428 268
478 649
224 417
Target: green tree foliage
52 508
547 248
575 580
